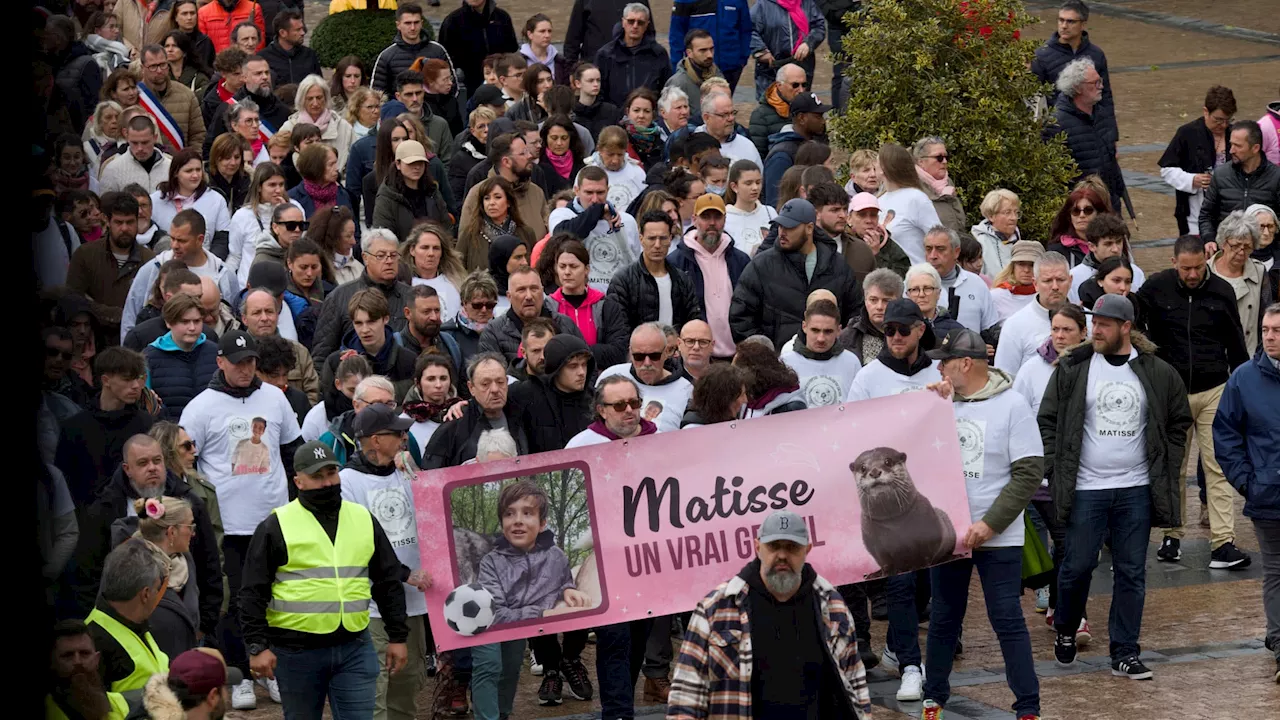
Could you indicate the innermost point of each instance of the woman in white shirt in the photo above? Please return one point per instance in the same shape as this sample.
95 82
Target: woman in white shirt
188 188
429 254
1015 284
266 190
904 208
746 219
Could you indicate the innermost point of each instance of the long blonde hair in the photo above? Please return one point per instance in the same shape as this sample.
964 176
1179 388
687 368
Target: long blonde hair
451 265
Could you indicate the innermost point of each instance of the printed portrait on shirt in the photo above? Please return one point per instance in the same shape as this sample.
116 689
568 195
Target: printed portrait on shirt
251 455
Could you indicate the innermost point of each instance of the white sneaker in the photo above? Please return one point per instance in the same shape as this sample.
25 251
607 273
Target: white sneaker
272 687
889 660
242 697
911 688
535 667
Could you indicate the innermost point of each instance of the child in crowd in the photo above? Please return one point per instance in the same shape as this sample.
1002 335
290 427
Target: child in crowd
746 218
715 175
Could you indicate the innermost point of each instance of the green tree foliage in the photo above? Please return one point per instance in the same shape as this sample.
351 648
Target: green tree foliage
954 68
363 33
475 507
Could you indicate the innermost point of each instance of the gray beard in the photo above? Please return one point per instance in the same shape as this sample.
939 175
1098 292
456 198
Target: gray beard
147 493
709 239
781 582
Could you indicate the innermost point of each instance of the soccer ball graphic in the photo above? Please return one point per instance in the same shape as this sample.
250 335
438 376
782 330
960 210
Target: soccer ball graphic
469 609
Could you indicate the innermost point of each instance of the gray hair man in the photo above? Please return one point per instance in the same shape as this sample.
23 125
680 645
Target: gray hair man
134 577
964 296
1026 329
381 264
789 80
667 392
617 404
1094 150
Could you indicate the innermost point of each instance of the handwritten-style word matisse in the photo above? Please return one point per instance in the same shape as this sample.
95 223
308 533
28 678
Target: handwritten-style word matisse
721 503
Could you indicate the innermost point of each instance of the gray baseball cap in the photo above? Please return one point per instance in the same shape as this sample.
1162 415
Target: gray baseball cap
1116 307
784 525
797 211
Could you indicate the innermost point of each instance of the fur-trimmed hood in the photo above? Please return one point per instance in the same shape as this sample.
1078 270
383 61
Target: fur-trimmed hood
159 702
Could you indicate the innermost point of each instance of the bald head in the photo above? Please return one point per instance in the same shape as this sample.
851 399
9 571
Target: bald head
820 294
144 465
210 296
260 313
695 346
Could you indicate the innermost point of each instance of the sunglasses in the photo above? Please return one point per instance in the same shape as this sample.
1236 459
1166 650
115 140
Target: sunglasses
55 352
189 446
294 225
799 85
651 356
622 405
895 329
940 158
1085 211
483 305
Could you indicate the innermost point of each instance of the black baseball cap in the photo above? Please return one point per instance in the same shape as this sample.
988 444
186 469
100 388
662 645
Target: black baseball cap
808 103
903 312
313 457
960 343
378 418
489 95
237 346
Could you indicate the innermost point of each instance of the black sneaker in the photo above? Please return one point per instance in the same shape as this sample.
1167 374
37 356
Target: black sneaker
1064 650
868 656
1130 667
1229 557
550 690
1170 550
575 674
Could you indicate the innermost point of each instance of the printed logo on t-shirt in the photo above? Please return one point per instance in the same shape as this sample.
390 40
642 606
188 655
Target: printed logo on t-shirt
1117 408
822 390
394 511
251 455
606 258
973 445
621 195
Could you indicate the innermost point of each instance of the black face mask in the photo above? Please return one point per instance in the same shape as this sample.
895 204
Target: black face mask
325 499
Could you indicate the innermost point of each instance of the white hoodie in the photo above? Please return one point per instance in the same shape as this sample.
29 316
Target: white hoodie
748 228
625 185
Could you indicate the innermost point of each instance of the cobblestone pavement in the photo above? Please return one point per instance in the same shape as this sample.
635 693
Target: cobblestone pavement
1202 630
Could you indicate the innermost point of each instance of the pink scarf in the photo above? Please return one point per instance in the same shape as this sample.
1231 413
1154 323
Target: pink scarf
799 18
562 164
321 122
323 195
1074 242
940 187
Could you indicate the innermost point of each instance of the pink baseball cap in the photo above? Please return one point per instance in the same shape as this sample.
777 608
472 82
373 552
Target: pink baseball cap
862 201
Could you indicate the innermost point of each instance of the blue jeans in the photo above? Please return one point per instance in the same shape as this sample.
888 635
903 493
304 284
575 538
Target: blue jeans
1127 514
1000 571
618 662
495 671
903 639
839 83
347 674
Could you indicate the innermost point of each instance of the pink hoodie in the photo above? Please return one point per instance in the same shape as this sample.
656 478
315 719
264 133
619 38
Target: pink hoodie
717 291
581 316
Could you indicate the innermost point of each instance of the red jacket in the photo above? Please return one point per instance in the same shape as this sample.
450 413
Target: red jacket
217 22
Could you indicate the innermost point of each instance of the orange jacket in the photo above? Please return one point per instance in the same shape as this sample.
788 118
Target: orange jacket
216 22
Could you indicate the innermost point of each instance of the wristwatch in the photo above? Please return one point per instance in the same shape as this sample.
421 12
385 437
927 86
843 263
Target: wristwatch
255 649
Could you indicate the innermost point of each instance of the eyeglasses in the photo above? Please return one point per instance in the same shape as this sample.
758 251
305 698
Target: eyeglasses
156 67
941 157
1085 211
487 305
189 446
696 342
896 329
799 85
650 356
729 115
922 290
55 352
294 225
382 256
622 405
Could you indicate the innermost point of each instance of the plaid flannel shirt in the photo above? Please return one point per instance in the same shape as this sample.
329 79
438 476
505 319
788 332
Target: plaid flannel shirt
713 673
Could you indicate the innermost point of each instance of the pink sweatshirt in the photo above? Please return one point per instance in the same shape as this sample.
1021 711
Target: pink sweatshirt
717 291
581 316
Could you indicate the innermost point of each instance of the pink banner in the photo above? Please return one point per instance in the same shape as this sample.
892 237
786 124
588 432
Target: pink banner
647 527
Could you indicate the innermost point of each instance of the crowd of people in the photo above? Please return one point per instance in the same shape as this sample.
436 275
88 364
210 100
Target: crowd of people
272 292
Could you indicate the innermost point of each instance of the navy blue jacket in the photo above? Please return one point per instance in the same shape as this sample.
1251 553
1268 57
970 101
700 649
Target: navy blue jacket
781 156
683 259
176 375
1246 436
1088 144
728 21
1053 56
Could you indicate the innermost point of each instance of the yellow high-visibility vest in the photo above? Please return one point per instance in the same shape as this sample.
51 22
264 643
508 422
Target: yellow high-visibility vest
324 584
148 659
119 708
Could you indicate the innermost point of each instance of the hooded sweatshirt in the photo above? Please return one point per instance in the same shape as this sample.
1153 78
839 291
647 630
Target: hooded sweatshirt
598 433
825 377
717 290
624 184
581 313
525 583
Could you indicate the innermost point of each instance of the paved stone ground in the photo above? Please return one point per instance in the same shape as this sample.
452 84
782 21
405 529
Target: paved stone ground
1202 629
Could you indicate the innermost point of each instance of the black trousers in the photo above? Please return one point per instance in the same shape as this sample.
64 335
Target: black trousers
230 639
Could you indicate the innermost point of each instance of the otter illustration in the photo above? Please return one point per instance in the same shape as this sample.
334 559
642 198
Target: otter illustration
901 529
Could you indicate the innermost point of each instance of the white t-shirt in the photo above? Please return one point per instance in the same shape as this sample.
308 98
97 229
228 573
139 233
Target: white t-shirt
1021 335
1113 453
877 380
450 300
823 382
389 500
315 423
664 298
1007 304
1032 380
913 215
248 476
993 434
748 229
585 438
977 311
421 432
625 185
610 250
669 399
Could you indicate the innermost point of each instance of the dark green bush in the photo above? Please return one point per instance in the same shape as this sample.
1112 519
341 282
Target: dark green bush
956 69
363 33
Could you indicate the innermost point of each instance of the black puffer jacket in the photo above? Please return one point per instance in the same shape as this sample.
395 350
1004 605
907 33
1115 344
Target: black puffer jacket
334 323
596 116
549 415
470 36
769 298
178 375
95 543
1088 144
1061 421
1233 189
591 25
634 288
1197 330
455 441
290 66
468 154
398 56
623 69
502 334
1053 56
